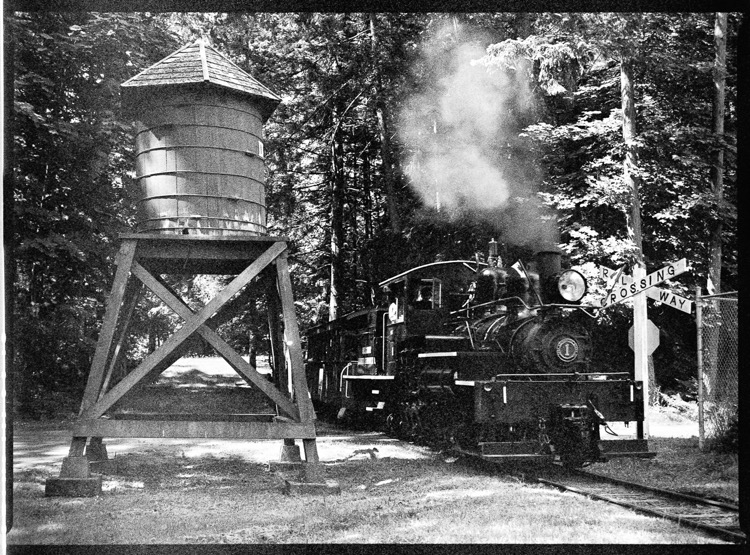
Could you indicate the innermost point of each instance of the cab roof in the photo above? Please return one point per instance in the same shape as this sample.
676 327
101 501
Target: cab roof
469 264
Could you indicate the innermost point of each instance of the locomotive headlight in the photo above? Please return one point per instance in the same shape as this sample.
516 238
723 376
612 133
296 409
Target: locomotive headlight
571 285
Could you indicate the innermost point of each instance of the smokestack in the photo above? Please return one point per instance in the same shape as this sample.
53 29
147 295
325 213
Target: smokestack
548 262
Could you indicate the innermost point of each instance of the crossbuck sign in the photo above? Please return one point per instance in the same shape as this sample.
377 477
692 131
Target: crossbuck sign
626 287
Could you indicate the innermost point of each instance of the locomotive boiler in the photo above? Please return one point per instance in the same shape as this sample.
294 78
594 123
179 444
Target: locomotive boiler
479 357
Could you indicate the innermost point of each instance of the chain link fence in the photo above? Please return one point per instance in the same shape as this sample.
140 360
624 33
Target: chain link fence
716 320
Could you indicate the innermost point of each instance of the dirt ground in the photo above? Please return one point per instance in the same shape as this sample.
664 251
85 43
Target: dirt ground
223 491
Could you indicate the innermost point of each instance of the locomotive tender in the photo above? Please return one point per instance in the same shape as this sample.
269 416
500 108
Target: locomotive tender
486 359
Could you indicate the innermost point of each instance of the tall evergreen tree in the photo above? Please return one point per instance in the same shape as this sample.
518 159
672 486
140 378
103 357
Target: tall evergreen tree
72 172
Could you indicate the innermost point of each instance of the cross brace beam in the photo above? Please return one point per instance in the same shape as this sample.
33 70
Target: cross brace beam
193 429
138 255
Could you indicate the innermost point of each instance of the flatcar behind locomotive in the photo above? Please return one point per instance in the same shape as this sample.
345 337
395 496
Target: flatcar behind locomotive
479 357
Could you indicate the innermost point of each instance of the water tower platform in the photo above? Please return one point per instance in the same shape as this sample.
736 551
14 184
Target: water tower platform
141 261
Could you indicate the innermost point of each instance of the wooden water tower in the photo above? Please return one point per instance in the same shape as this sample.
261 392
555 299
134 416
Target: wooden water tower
201 172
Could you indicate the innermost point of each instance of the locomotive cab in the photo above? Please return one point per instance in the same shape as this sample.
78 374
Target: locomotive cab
422 305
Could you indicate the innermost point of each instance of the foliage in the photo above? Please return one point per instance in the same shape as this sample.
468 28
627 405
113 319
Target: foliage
584 156
74 161
727 438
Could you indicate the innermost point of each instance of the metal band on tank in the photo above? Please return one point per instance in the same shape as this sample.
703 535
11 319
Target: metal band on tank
203 147
197 102
195 195
196 172
160 125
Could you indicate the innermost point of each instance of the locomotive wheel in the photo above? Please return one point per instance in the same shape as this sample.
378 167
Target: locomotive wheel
435 419
413 422
397 424
393 423
465 437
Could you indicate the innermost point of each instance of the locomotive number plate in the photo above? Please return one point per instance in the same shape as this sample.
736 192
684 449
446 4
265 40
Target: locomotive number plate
567 349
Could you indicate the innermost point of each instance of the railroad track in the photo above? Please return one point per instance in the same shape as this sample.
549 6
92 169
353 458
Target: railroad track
713 517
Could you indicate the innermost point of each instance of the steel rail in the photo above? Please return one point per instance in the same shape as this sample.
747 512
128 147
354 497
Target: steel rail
670 493
671 505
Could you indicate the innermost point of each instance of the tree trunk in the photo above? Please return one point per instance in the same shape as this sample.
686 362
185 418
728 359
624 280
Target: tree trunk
631 176
633 182
713 285
252 349
717 182
353 235
385 141
10 268
151 338
337 220
367 208
367 216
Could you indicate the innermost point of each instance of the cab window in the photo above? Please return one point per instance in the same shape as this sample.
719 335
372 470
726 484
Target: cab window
427 294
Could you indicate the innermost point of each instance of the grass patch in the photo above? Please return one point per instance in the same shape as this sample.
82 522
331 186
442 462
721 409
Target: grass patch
162 497
680 466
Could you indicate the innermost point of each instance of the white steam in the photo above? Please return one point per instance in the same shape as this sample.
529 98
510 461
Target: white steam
457 134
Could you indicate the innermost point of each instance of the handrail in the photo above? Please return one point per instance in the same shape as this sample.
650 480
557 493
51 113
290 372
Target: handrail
382 363
341 377
527 307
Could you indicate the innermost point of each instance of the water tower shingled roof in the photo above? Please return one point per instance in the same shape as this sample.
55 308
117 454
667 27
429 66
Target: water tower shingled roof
198 63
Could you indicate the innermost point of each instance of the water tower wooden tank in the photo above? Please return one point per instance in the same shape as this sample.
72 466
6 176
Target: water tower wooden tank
199 144
202 211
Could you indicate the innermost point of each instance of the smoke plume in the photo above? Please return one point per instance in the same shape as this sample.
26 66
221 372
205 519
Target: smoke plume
461 135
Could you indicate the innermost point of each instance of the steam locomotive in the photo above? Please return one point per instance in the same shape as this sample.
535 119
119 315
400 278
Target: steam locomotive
481 358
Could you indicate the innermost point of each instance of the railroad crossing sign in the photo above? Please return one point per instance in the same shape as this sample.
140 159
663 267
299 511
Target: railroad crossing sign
626 287
652 337
655 293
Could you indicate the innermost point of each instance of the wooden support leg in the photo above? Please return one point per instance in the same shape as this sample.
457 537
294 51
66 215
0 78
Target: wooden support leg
311 451
111 315
275 332
96 451
75 478
289 450
313 472
132 295
96 454
292 341
313 469
77 446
